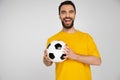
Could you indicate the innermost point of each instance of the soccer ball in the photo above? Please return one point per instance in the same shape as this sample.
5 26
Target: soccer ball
55 51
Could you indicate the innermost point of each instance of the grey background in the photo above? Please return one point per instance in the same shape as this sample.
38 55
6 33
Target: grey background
25 26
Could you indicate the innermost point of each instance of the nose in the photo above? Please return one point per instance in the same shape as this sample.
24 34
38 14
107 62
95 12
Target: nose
67 14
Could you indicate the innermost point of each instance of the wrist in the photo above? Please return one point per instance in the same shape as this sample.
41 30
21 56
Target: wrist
76 57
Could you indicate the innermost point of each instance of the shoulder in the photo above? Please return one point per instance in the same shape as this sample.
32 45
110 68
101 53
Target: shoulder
53 37
86 36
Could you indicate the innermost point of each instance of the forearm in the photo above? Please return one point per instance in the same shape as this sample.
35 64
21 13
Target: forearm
92 60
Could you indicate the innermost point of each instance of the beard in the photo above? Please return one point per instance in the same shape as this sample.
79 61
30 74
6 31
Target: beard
67 26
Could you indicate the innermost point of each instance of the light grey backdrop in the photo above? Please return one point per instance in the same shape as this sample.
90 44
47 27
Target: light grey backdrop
25 26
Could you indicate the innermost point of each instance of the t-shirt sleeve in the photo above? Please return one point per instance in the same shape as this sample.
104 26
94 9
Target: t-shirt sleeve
92 48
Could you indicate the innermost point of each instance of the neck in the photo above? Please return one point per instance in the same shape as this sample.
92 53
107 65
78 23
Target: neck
71 30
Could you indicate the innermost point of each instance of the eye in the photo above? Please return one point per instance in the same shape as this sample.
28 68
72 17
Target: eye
63 12
71 11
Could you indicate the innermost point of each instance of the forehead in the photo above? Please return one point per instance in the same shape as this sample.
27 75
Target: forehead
67 7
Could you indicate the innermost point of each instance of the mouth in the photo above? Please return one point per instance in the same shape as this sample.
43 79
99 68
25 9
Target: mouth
67 20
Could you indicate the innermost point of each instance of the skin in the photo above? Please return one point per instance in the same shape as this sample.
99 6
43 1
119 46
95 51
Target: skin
46 60
67 16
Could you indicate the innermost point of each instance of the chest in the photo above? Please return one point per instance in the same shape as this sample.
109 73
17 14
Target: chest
77 44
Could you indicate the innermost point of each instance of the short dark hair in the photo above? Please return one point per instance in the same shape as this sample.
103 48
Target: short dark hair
67 2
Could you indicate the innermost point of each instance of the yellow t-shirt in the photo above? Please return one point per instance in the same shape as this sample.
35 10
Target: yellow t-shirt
81 43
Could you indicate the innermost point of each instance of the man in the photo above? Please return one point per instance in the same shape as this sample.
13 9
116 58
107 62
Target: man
81 51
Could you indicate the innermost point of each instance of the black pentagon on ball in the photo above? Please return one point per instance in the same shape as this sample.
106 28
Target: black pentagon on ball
62 57
51 55
58 46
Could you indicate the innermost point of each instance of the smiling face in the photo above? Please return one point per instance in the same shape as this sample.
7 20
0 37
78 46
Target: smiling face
67 16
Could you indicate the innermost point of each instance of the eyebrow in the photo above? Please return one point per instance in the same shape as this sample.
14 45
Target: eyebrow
65 11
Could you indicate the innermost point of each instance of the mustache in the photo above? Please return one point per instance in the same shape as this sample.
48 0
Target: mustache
67 18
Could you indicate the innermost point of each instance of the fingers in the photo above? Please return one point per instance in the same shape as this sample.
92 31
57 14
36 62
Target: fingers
67 47
46 56
69 53
45 52
65 57
66 50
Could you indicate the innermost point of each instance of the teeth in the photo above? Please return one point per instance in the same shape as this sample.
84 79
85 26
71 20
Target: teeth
67 19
